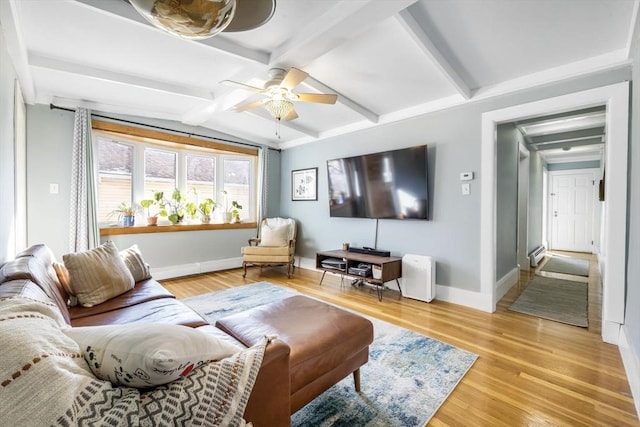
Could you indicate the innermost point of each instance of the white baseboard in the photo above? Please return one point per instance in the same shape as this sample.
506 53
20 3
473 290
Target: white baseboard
506 283
464 297
443 293
610 332
631 362
172 271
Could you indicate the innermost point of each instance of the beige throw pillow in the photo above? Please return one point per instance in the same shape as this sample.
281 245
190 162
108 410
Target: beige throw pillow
147 354
274 236
98 275
132 258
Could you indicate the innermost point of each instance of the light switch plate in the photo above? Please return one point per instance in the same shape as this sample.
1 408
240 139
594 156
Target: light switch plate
466 176
466 189
53 188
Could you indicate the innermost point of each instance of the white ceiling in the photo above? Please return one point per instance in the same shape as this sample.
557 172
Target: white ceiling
386 59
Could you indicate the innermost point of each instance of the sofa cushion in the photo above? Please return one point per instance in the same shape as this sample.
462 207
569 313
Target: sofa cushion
146 354
163 310
144 291
98 274
132 258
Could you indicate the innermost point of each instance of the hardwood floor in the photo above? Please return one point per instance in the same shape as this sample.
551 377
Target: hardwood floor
530 371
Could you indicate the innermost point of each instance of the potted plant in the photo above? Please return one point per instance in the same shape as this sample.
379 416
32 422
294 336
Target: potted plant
152 219
235 211
206 208
226 215
125 212
174 208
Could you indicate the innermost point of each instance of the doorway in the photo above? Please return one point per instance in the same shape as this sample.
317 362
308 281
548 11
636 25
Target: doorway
616 99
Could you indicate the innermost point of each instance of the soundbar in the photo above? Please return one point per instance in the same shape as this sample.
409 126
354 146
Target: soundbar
369 251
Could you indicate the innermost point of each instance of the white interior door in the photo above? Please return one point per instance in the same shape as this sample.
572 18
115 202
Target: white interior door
571 203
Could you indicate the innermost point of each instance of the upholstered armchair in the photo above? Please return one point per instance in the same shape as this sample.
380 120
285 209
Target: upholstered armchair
275 245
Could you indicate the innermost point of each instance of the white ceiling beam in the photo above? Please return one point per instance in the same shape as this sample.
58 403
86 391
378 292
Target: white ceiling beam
345 20
347 102
124 10
38 61
419 36
17 49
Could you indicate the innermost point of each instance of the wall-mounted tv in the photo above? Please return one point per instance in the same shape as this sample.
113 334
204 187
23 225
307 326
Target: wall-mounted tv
389 184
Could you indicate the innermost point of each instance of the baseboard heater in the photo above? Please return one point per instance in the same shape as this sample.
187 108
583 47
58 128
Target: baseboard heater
537 254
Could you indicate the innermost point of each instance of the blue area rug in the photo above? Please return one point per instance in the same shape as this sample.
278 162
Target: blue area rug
407 378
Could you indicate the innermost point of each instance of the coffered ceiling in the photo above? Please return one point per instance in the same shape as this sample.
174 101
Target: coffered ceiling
386 60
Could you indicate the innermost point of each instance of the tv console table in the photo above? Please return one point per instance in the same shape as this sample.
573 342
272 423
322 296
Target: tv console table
390 267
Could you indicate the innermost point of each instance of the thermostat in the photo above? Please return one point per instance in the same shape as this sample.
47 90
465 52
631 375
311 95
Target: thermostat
466 176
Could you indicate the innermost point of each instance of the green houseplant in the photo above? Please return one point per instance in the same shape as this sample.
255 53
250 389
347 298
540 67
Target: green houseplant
206 208
125 212
235 211
152 219
173 208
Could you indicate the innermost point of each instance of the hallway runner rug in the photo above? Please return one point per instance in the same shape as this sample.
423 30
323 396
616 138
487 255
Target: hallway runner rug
406 380
563 301
567 265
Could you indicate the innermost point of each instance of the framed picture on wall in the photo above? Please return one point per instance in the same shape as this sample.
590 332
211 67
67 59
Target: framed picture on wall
304 184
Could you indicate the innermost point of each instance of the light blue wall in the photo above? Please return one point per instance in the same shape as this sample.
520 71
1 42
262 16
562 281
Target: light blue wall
7 180
536 196
452 235
49 143
507 163
632 313
593 164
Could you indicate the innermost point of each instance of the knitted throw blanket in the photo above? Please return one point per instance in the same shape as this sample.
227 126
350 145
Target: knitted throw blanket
44 380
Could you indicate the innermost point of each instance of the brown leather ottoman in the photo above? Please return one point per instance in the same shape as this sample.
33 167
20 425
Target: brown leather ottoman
327 343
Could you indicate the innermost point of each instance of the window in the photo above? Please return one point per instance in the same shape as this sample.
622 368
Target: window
115 183
132 166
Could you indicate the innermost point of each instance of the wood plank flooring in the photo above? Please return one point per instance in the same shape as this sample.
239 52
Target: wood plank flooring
530 371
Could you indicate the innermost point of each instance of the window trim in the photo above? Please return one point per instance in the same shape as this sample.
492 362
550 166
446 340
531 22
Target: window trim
176 142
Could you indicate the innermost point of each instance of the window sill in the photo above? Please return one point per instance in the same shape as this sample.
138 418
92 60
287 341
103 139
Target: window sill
142 229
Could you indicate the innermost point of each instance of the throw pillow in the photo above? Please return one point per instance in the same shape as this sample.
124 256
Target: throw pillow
146 354
132 258
98 275
274 236
65 281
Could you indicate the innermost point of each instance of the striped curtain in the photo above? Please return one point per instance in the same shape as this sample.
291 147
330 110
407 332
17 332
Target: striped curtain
263 183
83 216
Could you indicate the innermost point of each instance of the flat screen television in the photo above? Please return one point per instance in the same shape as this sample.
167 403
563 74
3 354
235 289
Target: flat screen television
390 184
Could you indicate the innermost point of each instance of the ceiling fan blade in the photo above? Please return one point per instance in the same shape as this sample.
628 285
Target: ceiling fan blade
293 78
248 105
291 115
322 98
242 86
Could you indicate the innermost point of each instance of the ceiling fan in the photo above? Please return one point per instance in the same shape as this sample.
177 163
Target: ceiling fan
278 94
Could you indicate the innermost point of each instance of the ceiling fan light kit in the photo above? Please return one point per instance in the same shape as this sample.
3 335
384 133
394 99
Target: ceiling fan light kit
190 19
279 95
279 108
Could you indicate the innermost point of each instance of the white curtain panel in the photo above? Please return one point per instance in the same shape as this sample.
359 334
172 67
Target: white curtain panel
83 216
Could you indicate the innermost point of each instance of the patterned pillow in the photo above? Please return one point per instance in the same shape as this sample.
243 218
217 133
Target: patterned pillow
98 275
132 258
147 354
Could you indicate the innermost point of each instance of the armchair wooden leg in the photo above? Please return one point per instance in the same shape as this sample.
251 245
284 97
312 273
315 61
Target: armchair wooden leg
244 266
